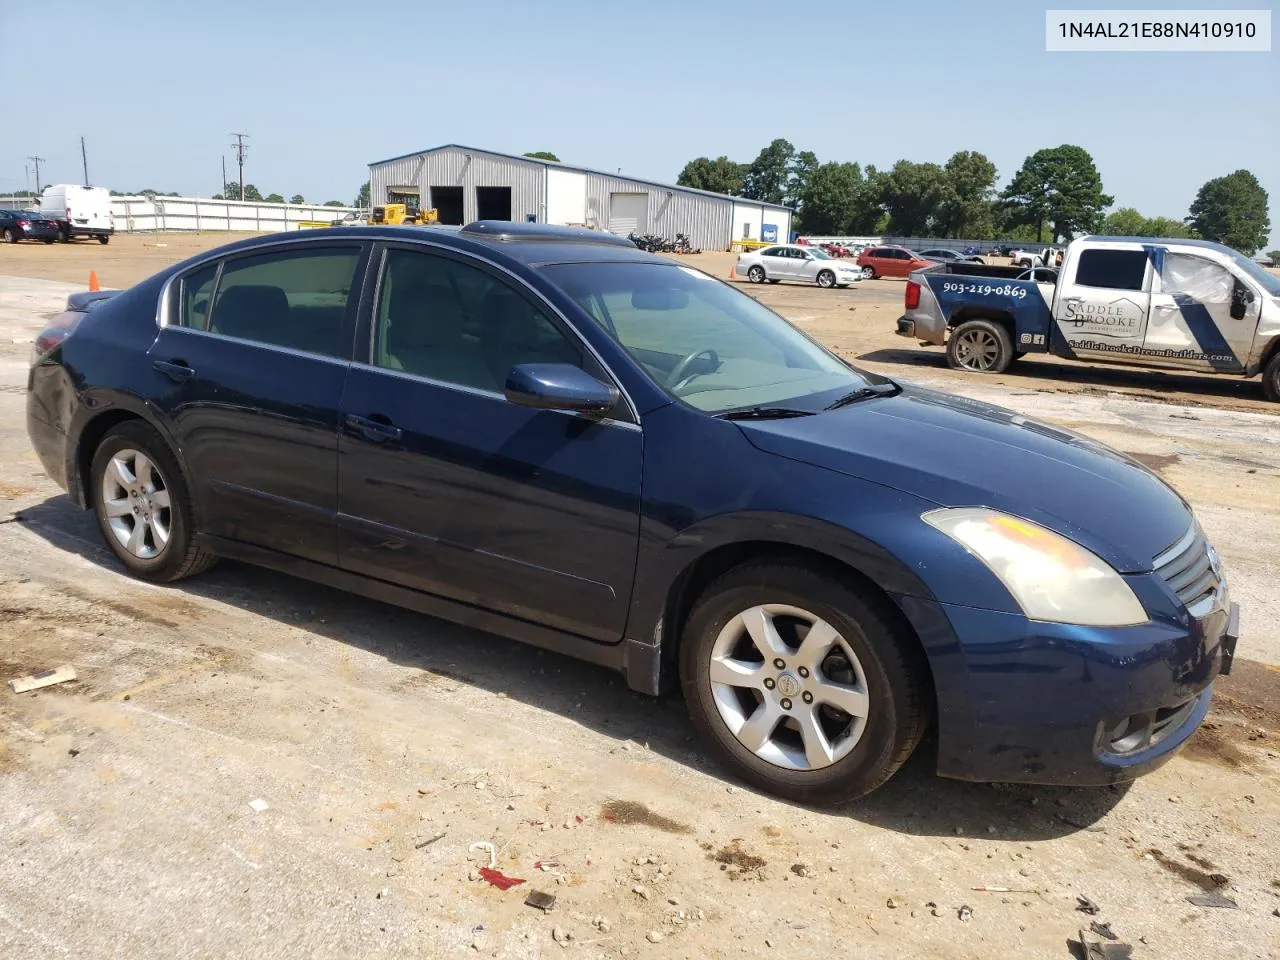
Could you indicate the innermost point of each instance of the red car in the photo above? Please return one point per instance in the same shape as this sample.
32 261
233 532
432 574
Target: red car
889 262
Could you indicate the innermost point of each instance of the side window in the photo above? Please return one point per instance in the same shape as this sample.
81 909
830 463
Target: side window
1201 280
197 291
295 298
1114 269
770 252
444 320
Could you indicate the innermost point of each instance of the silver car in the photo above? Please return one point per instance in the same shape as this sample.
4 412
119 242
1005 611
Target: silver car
787 261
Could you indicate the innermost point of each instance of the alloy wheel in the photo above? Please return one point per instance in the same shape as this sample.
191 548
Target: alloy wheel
977 350
135 500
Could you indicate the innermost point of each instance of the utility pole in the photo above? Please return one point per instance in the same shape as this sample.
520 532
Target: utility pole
223 191
84 158
240 149
37 161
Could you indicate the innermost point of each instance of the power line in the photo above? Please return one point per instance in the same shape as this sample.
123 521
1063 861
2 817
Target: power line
37 161
240 149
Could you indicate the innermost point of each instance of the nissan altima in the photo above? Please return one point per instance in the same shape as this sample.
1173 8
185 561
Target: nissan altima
548 434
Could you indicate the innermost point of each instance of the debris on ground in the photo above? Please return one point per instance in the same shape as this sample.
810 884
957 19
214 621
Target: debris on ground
1086 949
641 891
498 879
547 866
934 908
561 936
259 806
965 913
601 924
1103 930
37 681
540 901
429 842
486 845
986 889
800 869
654 936
1213 900
1085 905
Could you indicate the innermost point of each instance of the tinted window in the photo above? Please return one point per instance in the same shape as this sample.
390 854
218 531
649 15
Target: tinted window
197 289
448 321
296 299
1116 269
771 252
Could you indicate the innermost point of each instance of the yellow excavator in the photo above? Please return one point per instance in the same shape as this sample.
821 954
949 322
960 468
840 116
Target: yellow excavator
394 214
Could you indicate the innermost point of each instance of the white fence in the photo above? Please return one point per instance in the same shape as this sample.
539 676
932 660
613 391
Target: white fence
140 214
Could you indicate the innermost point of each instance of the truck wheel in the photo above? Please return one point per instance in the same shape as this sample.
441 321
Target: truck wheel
756 274
104 240
1271 379
979 346
805 685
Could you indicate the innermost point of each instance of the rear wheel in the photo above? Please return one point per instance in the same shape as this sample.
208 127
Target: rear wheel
104 239
826 279
756 274
10 235
1271 379
801 684
979 346
143 506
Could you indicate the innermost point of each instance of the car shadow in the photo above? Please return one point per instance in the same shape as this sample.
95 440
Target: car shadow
1151 383
916 801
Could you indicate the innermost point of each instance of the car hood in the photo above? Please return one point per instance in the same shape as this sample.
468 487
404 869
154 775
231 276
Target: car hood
959 452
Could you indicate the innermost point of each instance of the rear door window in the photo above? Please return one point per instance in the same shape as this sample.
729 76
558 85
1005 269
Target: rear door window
298 299
1113 269
197 293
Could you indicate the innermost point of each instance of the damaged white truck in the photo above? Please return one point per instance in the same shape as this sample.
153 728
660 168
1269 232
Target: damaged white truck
1178 304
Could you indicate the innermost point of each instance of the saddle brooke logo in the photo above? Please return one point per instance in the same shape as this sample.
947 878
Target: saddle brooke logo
1122 319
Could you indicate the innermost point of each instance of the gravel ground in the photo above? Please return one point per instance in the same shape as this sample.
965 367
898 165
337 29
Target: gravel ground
368 732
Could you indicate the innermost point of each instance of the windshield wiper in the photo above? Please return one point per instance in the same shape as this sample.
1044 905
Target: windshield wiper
763 413
865 393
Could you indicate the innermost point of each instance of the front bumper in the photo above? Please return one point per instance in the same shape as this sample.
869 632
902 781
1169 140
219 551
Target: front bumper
1031 702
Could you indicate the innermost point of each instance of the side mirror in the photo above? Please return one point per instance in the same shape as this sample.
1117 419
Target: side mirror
1241 298
559 386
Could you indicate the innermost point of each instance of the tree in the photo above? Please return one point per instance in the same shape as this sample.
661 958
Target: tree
1125 222
829 199
273 198
297 198
1274 257
362 198
1060 186
333 203
799 170
252 193
543 155
913 194
1168 227
768 176
1232 210
232 191
720 175
966 208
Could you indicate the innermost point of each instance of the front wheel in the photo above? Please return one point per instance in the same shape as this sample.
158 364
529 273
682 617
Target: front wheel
868 273
804 685
143 507
979 346
756 274
826 279
1271 379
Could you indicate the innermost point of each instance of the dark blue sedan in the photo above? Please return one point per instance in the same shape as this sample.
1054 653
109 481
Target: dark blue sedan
549 434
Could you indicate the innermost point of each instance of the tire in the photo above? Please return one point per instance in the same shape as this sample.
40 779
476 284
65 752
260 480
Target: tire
1271 378
868 273
872 653
66 234
979 346
47 240
774 280
756 274
178 556
826 279
10 235
104 239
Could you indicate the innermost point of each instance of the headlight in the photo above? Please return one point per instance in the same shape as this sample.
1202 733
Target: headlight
1051 577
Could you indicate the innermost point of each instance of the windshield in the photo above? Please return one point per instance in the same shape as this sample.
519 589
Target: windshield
701 340
818 254
1269 281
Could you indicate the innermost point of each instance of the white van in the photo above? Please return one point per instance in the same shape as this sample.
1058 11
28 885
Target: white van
79 211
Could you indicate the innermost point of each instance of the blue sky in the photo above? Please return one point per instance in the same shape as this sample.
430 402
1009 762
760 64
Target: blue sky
641 86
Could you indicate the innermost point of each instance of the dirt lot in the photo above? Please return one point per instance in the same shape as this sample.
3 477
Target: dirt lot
385 743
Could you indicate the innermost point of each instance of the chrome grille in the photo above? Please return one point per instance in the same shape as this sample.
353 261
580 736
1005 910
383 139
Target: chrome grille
1190 568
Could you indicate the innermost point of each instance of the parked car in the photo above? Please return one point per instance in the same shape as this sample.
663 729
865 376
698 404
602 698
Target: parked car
803 263
1140 301
79 211
18 225
942 254
552 435
889 262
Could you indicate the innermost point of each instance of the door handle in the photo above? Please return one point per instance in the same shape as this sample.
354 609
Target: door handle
176 370
376 429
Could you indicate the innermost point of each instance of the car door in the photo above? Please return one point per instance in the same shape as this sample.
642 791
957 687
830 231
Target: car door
1103 300
1201 317
775 262
446 486
250 367
804 266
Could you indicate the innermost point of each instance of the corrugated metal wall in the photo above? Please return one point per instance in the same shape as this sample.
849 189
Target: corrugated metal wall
457 168
397 173
706 221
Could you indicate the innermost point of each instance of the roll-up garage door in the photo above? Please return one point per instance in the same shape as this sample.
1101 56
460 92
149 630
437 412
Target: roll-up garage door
628 213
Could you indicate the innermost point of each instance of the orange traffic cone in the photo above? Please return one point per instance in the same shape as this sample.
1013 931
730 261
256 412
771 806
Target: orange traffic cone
93 281
733 271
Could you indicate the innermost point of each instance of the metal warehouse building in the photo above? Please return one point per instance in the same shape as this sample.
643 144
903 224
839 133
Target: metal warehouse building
466 184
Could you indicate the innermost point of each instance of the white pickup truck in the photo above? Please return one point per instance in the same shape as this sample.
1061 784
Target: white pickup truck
1184 304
